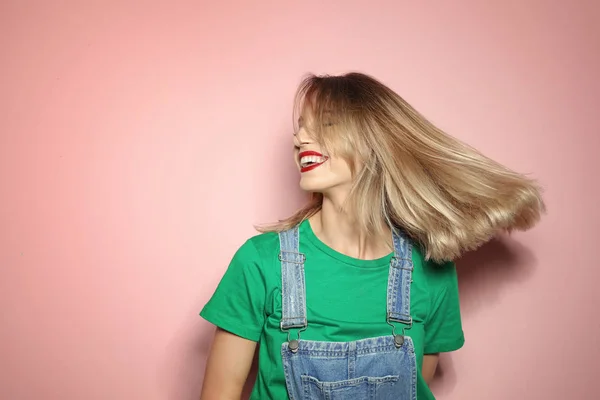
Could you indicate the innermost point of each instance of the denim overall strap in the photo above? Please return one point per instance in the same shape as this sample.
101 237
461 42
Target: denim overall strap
293 290
399 280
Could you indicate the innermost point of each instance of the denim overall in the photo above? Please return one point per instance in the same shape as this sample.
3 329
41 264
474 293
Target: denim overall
379 368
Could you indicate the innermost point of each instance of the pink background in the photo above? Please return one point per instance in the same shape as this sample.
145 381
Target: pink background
139 142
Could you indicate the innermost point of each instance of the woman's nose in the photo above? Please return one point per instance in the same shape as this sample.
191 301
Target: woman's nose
302 137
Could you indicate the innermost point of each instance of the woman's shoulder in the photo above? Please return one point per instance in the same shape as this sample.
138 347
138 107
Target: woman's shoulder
438 274
265 242
259 249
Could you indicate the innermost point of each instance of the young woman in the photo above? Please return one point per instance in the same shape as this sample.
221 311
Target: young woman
355 295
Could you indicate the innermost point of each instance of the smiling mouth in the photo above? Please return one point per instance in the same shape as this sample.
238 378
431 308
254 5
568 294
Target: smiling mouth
310 160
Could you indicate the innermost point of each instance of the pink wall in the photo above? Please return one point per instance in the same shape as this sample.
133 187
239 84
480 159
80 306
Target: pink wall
140 142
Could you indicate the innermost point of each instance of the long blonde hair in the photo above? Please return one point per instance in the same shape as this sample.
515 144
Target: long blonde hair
444 194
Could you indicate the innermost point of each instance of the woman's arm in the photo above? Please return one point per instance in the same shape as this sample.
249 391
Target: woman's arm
227 367
430 362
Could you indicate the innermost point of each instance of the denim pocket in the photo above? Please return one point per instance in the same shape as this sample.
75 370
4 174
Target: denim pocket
366 387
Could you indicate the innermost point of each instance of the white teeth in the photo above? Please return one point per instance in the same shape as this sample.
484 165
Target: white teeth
307 160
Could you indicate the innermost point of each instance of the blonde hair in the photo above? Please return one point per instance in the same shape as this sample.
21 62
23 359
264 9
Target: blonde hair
444 194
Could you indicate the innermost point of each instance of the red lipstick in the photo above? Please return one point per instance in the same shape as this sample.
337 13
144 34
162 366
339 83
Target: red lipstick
314 164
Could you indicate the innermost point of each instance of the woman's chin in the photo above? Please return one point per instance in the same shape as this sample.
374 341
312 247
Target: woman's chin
311 186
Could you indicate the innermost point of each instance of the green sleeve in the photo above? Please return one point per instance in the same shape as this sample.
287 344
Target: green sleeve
443 326
238 303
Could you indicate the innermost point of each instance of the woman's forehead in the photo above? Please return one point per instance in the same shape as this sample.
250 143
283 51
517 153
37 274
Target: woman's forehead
307 114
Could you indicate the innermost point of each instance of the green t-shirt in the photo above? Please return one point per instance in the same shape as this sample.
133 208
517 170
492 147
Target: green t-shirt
345 301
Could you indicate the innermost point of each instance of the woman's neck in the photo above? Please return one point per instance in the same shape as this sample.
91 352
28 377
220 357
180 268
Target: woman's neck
338 229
